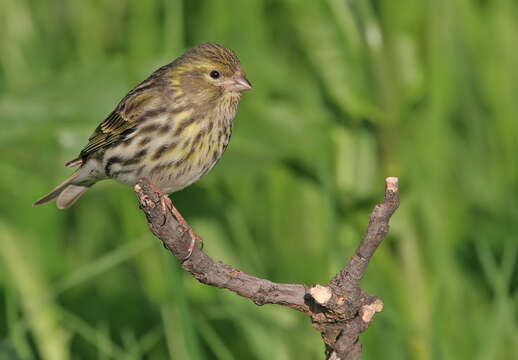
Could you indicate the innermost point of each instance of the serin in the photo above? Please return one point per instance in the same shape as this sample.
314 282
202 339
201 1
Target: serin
171 129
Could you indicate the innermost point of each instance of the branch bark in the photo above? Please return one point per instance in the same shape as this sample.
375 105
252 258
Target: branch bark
340 310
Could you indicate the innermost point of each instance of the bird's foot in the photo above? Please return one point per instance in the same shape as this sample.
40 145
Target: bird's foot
165 204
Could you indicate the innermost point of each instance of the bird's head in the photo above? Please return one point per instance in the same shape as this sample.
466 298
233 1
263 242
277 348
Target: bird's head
209 72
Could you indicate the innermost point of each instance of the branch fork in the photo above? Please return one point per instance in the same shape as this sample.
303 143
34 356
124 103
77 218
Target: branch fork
340 310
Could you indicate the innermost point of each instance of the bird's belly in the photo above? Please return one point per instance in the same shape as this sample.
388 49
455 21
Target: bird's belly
169 172
170 159
171 176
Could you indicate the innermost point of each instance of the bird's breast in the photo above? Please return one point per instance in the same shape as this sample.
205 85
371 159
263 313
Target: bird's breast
195 153
171 152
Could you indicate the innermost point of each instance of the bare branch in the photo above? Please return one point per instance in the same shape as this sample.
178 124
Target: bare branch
341 311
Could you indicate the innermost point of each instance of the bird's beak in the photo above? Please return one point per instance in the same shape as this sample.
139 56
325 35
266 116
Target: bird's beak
240 83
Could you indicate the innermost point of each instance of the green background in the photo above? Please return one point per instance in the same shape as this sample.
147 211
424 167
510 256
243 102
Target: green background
345 94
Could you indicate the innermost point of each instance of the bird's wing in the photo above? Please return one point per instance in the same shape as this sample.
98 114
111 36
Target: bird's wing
146 98
113 129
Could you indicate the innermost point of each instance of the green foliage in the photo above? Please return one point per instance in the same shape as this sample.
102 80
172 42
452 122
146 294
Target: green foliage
345 94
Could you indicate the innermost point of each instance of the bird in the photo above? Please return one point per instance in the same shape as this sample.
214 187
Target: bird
171 130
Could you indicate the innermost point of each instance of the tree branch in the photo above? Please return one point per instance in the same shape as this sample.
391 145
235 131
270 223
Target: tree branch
341 310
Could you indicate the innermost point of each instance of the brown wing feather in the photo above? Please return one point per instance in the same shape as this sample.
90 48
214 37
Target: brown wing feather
108 132
127 114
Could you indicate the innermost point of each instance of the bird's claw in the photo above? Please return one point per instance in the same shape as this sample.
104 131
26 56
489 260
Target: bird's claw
194 238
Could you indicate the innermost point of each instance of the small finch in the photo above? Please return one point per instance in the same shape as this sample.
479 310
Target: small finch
171 129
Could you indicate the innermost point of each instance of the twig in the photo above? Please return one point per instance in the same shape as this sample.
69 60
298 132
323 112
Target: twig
341 310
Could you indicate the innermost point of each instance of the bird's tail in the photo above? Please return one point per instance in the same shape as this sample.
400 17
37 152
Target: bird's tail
65 194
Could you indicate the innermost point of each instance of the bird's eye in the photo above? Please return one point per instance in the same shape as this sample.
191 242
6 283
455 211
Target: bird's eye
214 74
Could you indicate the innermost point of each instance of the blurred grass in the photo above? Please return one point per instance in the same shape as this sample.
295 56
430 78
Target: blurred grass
345 94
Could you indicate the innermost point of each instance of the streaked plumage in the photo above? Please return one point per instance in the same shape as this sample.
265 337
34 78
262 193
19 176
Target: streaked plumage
171 129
